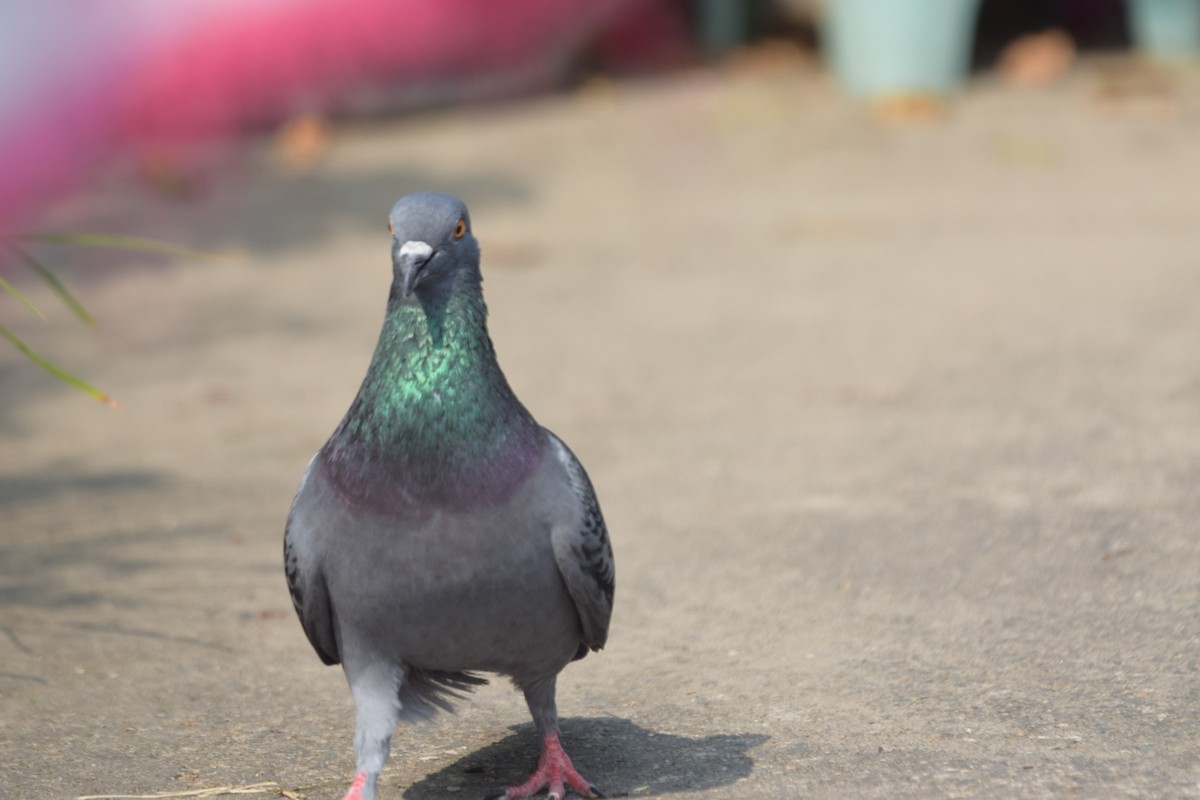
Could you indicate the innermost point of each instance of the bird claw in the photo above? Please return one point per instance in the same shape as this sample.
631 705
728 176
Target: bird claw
555 773
593 791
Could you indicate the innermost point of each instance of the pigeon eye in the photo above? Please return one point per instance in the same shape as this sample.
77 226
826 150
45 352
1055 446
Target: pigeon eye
460 229
390 231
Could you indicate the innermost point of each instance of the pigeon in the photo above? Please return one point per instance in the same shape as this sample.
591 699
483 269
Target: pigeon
441 532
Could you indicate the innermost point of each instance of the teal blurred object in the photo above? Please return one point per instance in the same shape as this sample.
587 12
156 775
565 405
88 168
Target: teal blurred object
721 24
1166 28
880 47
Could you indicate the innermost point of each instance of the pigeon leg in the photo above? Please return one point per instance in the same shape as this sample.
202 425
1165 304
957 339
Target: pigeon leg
359 789
554 770
377 709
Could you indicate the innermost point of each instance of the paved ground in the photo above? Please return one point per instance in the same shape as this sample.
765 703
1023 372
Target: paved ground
897 430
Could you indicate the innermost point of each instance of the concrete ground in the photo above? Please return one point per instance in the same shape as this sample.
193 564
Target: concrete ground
896 428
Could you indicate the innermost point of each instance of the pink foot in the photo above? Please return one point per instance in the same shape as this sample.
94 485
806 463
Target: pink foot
356 788
554 771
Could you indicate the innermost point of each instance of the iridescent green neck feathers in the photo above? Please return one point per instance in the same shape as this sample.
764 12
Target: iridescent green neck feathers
435 421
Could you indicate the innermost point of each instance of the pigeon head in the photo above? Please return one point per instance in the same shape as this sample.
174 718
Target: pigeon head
431 242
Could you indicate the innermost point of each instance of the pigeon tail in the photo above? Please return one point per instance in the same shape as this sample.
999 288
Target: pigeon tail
424 692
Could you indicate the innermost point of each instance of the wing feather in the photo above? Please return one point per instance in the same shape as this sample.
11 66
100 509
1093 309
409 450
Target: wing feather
584 554
310 597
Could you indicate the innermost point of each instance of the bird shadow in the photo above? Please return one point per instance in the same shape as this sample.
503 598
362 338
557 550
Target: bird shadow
621 757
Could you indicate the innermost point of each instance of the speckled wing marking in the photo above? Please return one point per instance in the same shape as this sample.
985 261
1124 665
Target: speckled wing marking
307 586
584 554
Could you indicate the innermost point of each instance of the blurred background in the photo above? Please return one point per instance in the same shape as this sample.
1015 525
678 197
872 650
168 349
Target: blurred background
166 88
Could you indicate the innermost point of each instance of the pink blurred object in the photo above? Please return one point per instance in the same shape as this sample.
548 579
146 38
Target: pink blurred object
87 81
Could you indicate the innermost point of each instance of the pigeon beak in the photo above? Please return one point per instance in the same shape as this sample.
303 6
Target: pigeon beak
410 264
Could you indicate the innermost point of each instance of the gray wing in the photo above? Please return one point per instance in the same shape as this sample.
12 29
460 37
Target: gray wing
584 554
306 582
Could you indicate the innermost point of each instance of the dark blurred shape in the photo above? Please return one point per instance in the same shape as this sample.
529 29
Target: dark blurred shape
721 25
1091 24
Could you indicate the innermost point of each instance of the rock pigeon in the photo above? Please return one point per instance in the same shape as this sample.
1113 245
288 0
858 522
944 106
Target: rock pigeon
441 531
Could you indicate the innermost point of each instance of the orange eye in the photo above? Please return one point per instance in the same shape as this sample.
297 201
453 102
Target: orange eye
390 231
460 229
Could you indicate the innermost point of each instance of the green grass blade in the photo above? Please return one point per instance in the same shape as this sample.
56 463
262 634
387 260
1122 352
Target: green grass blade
68 299
124 243
54 370
19 295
